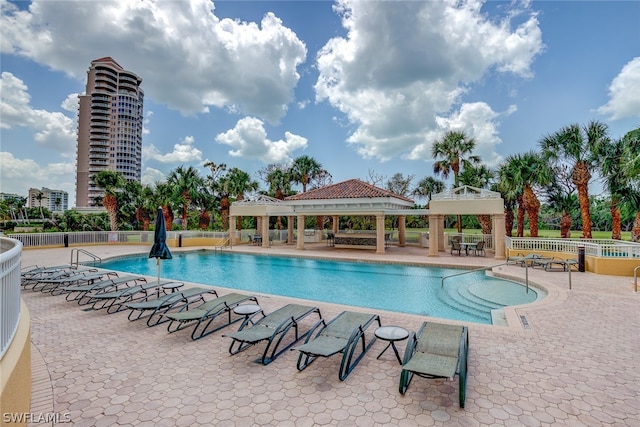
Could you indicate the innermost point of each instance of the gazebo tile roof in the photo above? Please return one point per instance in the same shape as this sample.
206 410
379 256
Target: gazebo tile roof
350 189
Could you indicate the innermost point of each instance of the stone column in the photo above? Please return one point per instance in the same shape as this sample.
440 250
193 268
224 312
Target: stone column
290 230
232 230
434 233
335 219
401 231
380 234
499 233
300 242
441 242
265 231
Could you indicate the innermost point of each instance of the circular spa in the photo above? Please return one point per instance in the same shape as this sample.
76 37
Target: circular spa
412 289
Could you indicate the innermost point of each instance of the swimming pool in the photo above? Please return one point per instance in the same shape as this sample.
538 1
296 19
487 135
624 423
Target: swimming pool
392 287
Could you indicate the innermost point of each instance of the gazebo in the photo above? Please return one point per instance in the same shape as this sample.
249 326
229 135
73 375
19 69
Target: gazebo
351 197
357 198
466 200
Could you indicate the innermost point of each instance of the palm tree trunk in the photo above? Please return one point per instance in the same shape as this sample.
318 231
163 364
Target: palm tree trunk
508 222
635 231
521 211
532 206
616 226
565 225
580 178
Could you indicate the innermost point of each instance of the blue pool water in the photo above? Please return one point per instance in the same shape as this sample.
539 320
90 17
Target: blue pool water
392 287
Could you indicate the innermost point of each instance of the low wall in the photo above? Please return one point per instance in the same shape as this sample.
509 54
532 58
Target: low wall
598 265
15 394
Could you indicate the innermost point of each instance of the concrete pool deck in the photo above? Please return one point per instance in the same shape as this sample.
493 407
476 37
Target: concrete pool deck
575 363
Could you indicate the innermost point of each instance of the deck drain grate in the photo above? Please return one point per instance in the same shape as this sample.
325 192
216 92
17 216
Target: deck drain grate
525 322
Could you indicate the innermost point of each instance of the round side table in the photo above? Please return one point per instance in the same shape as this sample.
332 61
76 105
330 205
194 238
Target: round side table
391 334
247 310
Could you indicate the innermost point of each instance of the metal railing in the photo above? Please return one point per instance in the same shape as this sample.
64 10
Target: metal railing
10 261
603 248
75 261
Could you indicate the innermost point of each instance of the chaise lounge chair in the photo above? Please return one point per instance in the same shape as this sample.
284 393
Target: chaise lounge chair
341 335
272 328
82 293
85 277
156 309
206 313
31 277
437 351
115 300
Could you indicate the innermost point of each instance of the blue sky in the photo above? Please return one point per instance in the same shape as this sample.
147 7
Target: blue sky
364 87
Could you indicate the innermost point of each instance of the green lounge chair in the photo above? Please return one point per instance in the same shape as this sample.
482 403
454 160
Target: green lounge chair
341 335
272 328
155 309
30 278
115 300
206 313
54 286
82 293
437 351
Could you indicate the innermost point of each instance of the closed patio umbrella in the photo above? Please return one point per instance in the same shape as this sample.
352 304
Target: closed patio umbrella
159 250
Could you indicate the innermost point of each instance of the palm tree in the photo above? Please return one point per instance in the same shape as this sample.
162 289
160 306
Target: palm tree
427 187
164 195
577 146
187 184
39 197
479 176
523 172
236 183
304 170
631 164
111 182
278 179
454 151
609 155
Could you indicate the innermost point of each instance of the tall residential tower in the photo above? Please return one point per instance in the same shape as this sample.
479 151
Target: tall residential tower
109 128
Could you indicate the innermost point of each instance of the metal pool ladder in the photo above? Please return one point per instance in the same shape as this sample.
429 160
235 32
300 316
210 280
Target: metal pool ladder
75 262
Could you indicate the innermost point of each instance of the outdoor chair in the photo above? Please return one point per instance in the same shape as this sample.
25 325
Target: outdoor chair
54 286
155 309
82 293
478 249
437 351
206 313
342 334
115 300
29 279
456 246
272 328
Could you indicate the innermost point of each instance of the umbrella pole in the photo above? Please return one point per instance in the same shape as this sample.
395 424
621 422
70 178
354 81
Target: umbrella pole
158 263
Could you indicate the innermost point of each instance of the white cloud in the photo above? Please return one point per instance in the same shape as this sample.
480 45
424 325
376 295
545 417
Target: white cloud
185 152
249 140
403 64
18 175
187 57
624 93
52 130
150 176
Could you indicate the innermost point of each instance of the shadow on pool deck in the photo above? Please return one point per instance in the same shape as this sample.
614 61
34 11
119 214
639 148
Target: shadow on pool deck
574 364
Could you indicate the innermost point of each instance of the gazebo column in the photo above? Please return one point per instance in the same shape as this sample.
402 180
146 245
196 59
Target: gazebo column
265 231
434 235
401 231
290 230
335 223
499 233
380 234
232 230
300 223
441 242
258 225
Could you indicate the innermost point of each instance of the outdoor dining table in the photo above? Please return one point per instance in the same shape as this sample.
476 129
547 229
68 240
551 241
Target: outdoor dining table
466 246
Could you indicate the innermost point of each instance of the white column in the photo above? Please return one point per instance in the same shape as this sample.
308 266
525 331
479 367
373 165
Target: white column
265 231
290 230
300 242
380 234
499 233
402 238
232 230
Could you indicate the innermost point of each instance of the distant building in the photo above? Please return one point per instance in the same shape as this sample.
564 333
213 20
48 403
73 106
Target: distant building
54 200
8 196
109 127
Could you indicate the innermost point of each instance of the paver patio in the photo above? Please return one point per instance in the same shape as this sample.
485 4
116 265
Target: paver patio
576 364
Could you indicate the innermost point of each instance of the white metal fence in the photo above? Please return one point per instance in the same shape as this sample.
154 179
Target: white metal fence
603 248
10 257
